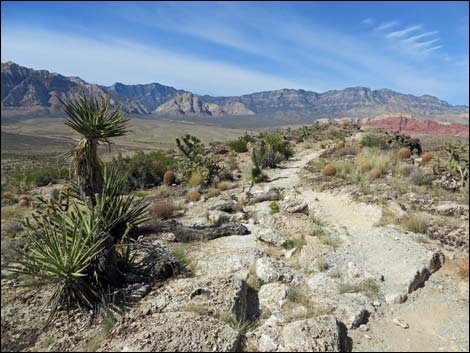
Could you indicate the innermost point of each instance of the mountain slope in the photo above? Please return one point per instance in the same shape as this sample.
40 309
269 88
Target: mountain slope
26 90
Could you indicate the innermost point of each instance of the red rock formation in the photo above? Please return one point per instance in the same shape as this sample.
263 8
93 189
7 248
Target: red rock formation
412 126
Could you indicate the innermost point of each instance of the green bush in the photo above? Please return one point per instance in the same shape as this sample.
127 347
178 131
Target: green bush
39 177
240 145
143 169
272 150
72 243
373 140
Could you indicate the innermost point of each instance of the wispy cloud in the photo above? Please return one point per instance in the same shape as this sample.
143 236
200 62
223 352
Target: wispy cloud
102 62
387 25
403 32
367 21
419 36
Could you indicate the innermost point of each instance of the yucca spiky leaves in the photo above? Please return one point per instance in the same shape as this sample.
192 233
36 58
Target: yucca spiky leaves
61 252
97 123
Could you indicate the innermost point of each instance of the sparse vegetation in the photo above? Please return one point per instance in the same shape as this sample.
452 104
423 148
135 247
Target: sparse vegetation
274 207
143 169
163 210
240 145
416 223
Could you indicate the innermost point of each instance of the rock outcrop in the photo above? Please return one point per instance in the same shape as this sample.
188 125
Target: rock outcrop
410 126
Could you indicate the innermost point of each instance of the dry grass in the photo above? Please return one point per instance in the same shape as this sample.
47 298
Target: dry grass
163 191
343 169
213 192
416 223
374 161
224 185
196 179
462 266
163 210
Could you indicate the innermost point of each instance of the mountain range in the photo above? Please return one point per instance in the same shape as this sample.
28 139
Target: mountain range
28 91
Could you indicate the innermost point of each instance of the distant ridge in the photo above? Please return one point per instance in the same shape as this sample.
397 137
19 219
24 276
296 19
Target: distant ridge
30 91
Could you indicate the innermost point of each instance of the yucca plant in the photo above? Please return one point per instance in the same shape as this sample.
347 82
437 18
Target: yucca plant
97 123
62 251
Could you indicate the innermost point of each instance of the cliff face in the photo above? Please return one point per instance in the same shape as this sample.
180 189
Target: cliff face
187 104
31 90
411 126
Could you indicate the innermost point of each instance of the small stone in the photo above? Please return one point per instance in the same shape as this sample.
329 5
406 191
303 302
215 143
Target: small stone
396 298
288 253
363 328
368 337
400 323
376 303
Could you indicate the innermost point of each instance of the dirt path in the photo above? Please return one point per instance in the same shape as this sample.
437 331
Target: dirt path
437 313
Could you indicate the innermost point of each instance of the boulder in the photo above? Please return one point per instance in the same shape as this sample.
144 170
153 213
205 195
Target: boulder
269 270
294 206
320 334
270 236
273 296
173 332
214 295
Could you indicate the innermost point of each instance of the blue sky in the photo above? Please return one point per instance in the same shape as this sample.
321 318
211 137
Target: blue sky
232 48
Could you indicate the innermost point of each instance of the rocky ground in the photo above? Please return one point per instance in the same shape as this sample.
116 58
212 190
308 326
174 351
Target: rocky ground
312 272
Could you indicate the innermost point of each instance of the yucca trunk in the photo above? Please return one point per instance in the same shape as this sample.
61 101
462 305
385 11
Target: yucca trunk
88 168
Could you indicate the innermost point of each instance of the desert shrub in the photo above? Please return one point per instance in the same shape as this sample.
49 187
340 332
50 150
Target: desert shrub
343 169
329 170
462 266
195 161
196 179
274 207
8 198
169 178
373 158
232 163
346 151
340 144
193 196
406 170
143 169
427 157
141 193
39 177
256 175
271 150
240 145
404 153
373 140
224 185
416 223
213 192
163 210
162 191
419 177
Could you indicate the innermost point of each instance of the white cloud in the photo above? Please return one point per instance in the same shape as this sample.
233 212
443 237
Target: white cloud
106 62
387 25
419 36
367 21
404 32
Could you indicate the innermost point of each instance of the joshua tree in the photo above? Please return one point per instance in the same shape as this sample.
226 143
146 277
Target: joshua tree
96 122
